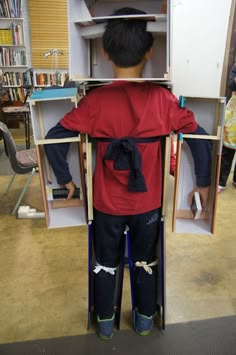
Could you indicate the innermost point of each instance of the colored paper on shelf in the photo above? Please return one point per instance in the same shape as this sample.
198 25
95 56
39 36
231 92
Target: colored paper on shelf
6 36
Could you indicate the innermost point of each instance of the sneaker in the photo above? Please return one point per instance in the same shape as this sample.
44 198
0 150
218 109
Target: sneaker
105 327
143 324
221 188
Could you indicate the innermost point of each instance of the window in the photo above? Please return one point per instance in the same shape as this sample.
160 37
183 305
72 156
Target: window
49 31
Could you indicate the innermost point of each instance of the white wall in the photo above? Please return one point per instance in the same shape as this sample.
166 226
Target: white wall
199 33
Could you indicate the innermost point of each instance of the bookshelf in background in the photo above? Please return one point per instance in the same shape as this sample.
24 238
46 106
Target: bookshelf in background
17 83
11 8
13 51
46 78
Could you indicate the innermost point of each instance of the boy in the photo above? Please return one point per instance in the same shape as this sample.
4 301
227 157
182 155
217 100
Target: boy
127 118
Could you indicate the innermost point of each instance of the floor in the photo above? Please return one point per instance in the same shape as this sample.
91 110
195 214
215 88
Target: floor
43 272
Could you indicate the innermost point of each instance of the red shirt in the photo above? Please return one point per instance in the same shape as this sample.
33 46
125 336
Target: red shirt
129 109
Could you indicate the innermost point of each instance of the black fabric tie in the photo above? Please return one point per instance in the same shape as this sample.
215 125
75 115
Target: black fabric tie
127 157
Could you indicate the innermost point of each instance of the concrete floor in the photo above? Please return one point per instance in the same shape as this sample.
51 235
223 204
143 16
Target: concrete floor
43 273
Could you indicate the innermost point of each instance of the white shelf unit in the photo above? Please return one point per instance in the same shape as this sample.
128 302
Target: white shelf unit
85 43
13 57
47 108
209 113
43 78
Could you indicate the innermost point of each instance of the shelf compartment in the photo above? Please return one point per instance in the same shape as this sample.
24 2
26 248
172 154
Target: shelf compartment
86 24
209 113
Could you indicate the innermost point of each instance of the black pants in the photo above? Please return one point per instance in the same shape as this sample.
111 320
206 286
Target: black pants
226 163
108 234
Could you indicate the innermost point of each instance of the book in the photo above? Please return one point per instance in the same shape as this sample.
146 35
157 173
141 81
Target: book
196 206
63 193
6 36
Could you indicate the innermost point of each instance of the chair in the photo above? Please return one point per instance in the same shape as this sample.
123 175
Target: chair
22 162
18 113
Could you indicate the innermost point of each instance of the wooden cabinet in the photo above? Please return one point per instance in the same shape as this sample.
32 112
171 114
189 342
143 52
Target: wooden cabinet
47 108
86 21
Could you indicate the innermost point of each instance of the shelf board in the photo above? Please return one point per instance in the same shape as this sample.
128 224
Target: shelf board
58 140
12 45
11 19
101 19
54 94
13 66
11 86
82 79
95 28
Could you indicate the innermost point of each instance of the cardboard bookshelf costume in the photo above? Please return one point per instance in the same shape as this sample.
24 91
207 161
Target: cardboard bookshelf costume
92 72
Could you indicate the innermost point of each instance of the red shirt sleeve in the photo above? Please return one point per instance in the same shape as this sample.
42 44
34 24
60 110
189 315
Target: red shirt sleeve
78 119
182 120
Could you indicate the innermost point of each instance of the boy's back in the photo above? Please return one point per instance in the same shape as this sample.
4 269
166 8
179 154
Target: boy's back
134 110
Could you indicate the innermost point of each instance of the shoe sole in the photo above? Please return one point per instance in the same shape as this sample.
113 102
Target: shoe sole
144 333
104 337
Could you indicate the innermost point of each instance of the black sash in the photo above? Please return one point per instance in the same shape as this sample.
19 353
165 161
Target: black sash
127 157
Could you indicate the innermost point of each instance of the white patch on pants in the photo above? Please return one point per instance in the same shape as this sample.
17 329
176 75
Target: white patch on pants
98 268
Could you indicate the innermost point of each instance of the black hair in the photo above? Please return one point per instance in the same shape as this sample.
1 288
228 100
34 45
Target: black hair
125 39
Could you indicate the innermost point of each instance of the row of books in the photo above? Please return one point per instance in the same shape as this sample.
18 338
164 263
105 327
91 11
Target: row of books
13 35
17 79
12 57
17 94
49 79
10 8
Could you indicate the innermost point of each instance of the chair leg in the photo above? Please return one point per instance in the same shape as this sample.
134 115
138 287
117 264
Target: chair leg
10 183
24 190
27 131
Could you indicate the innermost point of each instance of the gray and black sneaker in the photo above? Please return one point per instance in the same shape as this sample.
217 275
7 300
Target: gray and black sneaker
105 327
143 324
